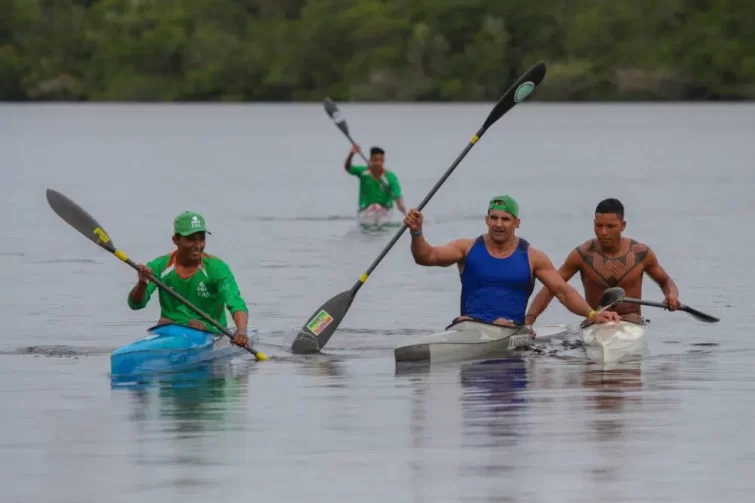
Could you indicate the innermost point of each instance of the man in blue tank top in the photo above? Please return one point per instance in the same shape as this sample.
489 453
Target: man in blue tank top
498 269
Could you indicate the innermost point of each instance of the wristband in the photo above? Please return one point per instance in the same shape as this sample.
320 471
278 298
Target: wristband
416 234
591 315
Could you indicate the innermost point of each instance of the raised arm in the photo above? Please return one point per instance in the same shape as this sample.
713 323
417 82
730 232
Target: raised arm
660 276
440 256
347 164
540 303
426 254
565 293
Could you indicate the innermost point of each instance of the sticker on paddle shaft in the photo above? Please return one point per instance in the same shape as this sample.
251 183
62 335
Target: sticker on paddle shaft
319 322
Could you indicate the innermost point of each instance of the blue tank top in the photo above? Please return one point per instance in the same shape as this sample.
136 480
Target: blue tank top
494 288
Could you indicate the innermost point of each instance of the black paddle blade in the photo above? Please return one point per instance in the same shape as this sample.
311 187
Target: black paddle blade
699 315
335 114
79 219
611 295
518 92
322 324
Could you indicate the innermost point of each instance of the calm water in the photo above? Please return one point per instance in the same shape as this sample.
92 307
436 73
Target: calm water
345 426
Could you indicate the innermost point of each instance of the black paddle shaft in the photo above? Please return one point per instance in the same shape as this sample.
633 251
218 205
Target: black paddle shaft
699 315
313 336
528 81
421 205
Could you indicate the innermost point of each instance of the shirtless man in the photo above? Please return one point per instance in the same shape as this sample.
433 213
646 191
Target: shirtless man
611 260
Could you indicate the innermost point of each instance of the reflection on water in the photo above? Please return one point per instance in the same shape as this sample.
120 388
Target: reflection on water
614 392
203 398
578 419
494 414
343 426
492 400
323 366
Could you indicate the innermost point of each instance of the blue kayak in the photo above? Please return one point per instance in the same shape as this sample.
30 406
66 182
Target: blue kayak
169 348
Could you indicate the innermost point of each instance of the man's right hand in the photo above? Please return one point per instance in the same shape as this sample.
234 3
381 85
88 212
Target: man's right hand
413 220
144 273
354 149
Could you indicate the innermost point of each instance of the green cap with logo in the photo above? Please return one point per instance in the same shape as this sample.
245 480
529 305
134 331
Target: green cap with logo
189 222
504 203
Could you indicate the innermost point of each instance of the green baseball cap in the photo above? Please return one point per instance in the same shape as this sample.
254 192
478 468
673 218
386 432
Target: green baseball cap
504 203
189 222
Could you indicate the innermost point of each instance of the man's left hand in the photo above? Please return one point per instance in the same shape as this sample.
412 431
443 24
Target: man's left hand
240 338
672 303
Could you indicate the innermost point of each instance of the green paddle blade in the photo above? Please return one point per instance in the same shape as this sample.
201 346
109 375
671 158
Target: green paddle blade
79 219
320 327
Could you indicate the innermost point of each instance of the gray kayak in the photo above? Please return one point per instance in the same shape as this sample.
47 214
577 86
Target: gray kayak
472 339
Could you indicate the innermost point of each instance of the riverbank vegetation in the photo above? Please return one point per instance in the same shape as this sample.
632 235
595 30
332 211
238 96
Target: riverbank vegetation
407 50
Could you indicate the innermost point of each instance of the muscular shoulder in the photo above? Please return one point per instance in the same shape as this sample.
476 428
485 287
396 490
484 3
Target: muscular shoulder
464 244
538 257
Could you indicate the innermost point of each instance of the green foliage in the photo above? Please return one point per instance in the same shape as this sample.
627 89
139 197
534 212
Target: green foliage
374 50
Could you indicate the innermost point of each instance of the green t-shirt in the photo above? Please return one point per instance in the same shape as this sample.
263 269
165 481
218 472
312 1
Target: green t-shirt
371 191
211 288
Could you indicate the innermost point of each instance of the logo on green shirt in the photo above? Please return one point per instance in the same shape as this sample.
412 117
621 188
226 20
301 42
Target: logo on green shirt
202 290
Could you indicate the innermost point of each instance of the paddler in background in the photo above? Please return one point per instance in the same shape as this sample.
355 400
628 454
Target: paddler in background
204 280
610 260
498 269
371 190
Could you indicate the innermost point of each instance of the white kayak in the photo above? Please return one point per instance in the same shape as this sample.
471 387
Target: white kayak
375 216
472 339
609 342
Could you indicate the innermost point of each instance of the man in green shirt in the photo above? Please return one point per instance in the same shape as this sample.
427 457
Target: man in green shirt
377 185
202 279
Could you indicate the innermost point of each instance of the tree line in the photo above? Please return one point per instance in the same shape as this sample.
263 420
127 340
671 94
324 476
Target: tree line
368 50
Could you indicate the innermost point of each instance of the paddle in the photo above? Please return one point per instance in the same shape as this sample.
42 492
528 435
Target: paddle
322 324
610 297
616 294
698 315
83 222
335 115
